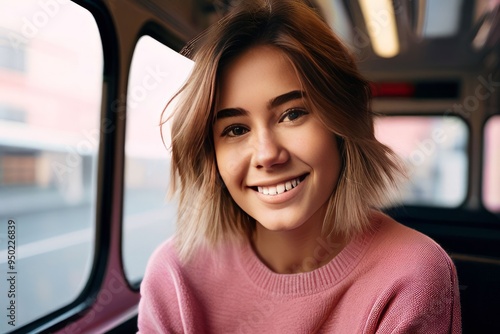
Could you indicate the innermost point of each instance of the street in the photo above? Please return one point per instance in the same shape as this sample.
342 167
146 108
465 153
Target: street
54 251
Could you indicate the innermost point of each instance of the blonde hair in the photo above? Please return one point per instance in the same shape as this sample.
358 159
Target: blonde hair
335 90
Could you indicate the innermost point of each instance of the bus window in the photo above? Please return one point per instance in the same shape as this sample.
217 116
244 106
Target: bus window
156 73
433 149
491 180
51 65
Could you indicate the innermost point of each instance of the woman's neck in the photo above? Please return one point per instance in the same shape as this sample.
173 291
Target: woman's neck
300 250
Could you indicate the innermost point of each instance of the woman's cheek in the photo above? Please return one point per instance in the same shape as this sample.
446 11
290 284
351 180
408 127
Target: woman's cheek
229 163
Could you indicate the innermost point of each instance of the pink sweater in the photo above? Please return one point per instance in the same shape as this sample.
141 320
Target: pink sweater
390 280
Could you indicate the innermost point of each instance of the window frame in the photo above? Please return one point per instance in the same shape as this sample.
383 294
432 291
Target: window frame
163 36
106 163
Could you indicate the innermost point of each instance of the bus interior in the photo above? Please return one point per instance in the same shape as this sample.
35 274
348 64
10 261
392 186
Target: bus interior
84 173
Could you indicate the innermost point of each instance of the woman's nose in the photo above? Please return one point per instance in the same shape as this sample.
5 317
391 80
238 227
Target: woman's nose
268 151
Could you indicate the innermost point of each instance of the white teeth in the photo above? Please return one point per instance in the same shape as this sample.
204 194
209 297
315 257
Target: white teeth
279 188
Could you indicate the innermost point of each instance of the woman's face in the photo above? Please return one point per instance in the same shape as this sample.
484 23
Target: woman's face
279 163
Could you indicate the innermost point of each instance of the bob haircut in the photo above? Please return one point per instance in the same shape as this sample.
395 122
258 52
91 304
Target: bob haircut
335 92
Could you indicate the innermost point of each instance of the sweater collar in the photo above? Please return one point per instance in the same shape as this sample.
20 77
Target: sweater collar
308 282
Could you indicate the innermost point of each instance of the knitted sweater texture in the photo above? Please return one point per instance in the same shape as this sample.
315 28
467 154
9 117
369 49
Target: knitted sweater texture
391 279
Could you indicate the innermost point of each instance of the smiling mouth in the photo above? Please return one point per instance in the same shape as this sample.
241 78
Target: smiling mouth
280 187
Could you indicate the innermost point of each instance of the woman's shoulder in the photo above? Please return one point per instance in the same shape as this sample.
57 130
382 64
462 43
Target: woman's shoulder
408 250
408 260
164 253
166 261
405 237
414 276
161 263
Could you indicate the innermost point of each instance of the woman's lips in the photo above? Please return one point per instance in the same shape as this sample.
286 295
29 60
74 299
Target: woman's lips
280 187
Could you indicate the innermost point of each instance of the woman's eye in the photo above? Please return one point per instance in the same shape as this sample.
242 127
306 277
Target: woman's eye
292 115
234 131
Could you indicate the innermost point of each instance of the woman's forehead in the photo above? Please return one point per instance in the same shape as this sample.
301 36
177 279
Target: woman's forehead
260 71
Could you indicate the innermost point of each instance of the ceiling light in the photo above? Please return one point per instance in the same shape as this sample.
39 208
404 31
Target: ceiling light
381 25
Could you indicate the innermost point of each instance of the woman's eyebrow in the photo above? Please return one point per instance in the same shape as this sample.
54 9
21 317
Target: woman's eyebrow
284 98
273 103
230 112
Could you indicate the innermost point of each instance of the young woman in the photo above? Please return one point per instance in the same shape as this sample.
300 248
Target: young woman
279 174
